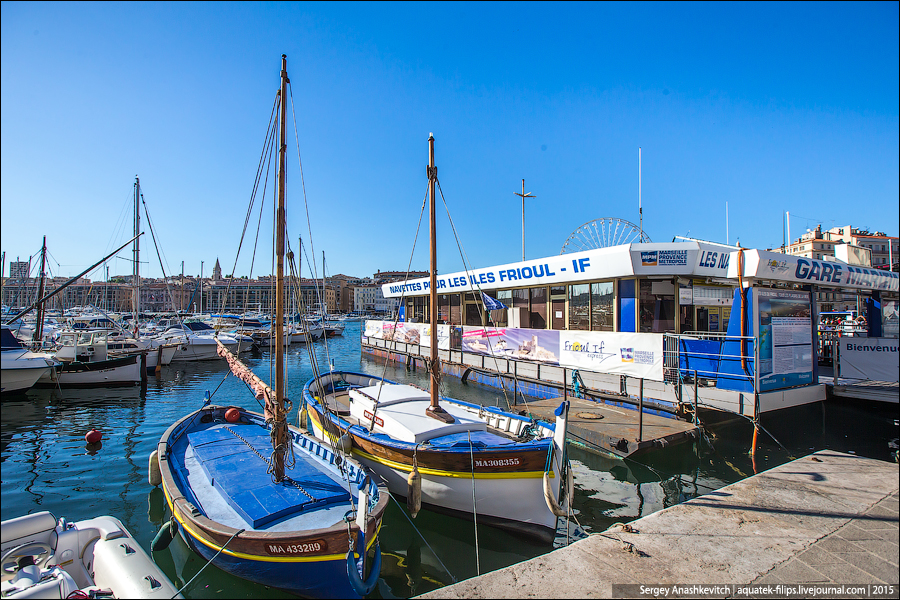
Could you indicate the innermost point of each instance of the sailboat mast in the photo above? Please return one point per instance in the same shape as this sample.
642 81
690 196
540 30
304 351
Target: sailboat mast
39 324
136 283
434 410
280 425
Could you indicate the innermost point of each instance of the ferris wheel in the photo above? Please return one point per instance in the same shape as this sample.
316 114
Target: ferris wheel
603 233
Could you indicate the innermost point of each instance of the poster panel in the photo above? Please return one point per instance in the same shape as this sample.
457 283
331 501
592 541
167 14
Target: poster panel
874 359
633 354
540 345
409 333
786 349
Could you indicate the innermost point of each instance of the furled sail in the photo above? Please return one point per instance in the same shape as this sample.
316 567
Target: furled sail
260 389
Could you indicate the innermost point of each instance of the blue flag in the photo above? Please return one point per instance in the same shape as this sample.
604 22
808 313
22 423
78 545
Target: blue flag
491 303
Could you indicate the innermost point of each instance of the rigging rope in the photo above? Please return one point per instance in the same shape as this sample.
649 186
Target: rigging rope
400 303
464 258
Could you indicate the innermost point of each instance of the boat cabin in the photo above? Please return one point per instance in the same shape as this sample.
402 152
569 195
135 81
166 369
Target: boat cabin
82 346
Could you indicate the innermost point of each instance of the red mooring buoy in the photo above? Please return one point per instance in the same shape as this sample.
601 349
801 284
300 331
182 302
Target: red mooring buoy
93 436
232 415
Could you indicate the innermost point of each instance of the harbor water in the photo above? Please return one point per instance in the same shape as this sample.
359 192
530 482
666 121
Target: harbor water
46 465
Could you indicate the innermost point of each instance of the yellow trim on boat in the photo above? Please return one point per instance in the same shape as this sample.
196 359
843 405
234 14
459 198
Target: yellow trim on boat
440 473
425 470
257 557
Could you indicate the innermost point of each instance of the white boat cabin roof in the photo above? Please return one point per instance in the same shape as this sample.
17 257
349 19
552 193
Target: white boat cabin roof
401 413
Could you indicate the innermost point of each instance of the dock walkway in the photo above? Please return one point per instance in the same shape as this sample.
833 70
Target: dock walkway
825 518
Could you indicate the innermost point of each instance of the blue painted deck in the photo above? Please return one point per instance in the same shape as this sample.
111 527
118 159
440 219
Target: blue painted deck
240 476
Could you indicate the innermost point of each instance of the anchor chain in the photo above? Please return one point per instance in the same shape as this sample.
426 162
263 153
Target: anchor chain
266 460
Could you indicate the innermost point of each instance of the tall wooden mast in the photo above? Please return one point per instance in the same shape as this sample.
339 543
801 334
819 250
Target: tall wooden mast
280 424
434 410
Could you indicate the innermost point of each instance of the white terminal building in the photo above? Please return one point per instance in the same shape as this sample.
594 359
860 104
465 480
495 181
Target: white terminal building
743 322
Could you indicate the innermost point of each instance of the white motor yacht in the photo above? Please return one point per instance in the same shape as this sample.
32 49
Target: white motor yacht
197 341
21 368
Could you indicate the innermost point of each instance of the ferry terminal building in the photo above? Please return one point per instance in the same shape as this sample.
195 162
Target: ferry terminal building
680 300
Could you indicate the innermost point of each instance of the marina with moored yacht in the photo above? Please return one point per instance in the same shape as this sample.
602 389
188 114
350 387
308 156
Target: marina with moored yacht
644 389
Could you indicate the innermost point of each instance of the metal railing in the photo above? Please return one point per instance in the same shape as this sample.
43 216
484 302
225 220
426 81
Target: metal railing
708 357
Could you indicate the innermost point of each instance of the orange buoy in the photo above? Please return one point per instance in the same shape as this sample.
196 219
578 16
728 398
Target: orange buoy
232 415
93 436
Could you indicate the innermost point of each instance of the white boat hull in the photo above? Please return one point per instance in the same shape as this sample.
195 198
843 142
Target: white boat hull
129 374
21 370
496 500
20 380
192 351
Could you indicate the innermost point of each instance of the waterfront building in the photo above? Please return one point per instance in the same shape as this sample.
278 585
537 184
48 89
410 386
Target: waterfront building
658 312
19 269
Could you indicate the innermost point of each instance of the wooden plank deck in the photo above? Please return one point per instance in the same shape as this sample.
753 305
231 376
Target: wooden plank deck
613 429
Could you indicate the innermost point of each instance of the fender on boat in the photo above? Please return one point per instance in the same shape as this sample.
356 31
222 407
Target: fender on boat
164 536
154 475
364 588
414 491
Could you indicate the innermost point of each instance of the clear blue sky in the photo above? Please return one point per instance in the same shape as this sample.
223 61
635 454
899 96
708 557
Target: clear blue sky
768 107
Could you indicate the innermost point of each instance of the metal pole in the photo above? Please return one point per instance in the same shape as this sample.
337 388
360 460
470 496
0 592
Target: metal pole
136 302
641 413
640 206
835 363
523 195
696 396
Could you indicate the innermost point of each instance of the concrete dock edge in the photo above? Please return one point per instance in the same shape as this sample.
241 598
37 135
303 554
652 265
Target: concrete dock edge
827 517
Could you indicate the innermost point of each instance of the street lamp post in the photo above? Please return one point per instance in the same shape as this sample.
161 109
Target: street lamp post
523 195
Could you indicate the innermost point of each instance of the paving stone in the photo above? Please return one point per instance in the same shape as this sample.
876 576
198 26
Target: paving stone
890 504
871 524
883 549
889 535
795 571
871 564
834 543
882 512
852 533
844 572
817 555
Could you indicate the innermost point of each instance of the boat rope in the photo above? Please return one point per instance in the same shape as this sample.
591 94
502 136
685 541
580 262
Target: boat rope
266 151
416 529
184 587
465 260
286 479
400 303
474 505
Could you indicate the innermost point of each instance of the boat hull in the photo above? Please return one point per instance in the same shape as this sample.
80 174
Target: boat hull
191 351
306 562
114 372
21 369
508 481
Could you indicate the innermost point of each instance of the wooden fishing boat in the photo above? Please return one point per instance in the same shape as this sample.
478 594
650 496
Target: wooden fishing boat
264 501
496 466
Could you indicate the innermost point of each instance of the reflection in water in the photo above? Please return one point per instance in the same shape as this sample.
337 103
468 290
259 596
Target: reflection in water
47 467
